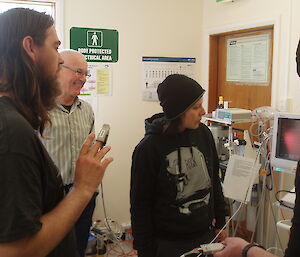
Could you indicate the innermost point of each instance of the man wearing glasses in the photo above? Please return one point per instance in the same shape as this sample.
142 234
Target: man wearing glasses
72 121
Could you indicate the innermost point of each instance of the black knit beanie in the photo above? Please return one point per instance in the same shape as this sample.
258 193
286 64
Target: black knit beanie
177 93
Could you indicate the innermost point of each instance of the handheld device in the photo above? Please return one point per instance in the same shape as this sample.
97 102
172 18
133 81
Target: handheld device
103 134
205 249
211 248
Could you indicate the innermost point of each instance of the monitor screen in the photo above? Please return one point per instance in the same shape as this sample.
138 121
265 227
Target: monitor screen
286 141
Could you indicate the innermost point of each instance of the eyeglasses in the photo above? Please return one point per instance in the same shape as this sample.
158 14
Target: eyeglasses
78 71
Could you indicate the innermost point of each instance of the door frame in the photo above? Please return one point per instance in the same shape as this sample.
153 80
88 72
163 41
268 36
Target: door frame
210 68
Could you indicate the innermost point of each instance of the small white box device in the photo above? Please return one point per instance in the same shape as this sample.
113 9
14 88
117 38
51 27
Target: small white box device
234 115
212 248
284 224
205 249
289 199
103 134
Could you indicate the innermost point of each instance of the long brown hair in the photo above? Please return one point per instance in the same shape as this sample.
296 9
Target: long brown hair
20 77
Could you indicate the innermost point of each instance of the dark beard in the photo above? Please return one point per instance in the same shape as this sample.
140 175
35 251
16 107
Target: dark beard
49 90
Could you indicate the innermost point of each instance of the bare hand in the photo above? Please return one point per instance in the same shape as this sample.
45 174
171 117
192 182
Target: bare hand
90 166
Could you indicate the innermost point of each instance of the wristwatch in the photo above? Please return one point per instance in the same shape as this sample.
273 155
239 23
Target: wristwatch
248 246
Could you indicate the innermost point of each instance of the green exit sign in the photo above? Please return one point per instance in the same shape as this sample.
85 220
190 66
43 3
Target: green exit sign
97 45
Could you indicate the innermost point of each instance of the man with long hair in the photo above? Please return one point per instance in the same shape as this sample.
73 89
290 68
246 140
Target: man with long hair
36 218
72 120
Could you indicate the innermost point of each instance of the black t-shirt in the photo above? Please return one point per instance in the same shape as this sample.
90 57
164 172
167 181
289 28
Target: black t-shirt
293 249
30 184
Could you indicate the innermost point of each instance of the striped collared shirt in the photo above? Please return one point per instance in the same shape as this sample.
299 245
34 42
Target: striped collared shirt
65 137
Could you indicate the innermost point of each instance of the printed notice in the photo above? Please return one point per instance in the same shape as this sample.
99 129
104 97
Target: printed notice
248 59
98 84
239 178
103 81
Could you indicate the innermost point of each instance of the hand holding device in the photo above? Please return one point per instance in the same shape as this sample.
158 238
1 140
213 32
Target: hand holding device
92 158
206 249
211 248
103 134
233 247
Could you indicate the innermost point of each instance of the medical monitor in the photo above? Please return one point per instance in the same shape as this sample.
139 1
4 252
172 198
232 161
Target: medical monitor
286 142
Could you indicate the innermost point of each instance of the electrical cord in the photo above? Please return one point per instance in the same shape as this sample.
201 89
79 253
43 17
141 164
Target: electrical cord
261 124
254 164
276 188
267 165
274 219
282 202
265 140
114 238
263 116
259 208
269 181
237 222
264 146
194 251
267 178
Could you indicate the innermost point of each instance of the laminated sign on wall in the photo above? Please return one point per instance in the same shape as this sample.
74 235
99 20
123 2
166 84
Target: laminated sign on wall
156 69
97 45
100 49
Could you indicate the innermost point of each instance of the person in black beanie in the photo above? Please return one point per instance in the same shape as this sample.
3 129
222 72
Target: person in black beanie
175 195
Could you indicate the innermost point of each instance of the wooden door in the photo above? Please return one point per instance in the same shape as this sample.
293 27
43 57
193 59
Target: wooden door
240 94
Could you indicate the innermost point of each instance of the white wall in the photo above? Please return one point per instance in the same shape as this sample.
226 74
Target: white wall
146 28
240 14
178 28
294 81
223 17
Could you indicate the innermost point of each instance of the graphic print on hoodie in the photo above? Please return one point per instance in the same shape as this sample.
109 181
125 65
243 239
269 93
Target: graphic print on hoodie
187 168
